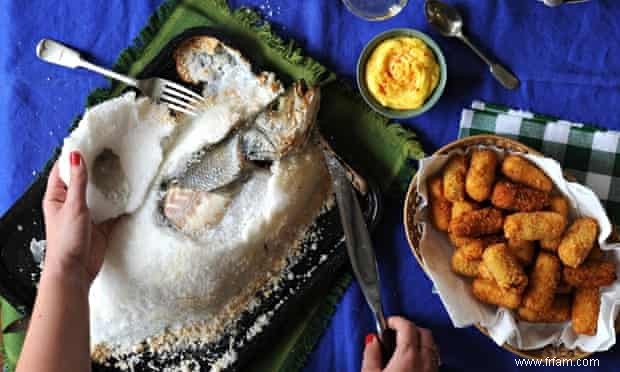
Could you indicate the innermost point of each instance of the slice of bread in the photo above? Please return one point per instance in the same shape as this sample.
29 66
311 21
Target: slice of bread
188 50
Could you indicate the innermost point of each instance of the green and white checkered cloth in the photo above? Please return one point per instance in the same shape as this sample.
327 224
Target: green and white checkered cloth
590 154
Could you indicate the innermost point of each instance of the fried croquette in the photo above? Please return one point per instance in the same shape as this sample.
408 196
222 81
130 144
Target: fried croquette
578 241
484 273
481 174
489 292
462 207
454 178
523 250
441 208
521 170
478 222
461 241
543 282
474 249
516 197
559 205
464 266
585 309
504 268
592 273
534 225
558 312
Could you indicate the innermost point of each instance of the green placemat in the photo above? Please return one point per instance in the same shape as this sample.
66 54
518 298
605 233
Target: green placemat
387 151
590 154
11 342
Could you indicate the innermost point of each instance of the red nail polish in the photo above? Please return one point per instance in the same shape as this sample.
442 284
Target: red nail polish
369 338
75 158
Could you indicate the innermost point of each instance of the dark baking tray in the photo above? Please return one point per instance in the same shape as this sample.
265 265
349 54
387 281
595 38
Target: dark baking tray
24 221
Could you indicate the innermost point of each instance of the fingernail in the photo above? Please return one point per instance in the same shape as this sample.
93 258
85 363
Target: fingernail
75 158
369 338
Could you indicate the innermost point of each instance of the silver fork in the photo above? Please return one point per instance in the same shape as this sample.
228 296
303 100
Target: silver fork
176 96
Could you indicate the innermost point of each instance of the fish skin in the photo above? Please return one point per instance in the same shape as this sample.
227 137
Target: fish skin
215 167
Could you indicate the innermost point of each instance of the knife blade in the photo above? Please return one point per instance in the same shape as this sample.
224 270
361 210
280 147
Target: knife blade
360 250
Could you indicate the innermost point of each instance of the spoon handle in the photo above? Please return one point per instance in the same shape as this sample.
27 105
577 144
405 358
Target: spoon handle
505 77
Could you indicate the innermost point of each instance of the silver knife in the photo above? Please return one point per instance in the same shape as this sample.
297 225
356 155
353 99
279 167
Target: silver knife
359 248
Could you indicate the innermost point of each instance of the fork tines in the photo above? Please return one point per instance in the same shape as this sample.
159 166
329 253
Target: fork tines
180 98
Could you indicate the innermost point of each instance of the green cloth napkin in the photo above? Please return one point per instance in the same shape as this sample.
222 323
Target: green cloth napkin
387 151
590 154
11 342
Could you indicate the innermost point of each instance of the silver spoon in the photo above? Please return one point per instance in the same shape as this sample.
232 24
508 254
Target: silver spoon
560 2
448 22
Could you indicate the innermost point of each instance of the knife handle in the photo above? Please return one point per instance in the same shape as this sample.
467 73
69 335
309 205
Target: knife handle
388 344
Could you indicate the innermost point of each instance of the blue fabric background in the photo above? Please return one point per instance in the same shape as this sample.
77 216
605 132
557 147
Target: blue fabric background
568 60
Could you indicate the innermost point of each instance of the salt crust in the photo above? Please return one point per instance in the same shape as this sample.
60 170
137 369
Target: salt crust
127 126
160 290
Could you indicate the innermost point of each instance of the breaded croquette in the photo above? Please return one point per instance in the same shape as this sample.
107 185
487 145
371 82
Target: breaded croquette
454 178
578 241
478 222
461 241
484 273
440 212
464 266
592 273
481 174
504 268
544 280
441 208
559 311
559 205
435 187
586 304
521 170
523 250
461 207
534 225
474 249
516 197
489 292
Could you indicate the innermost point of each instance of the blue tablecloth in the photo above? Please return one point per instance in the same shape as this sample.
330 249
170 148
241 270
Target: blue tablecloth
568 60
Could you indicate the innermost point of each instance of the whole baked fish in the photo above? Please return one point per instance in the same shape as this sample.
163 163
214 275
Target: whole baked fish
196 197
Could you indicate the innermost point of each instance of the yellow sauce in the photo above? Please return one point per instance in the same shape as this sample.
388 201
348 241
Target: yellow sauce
402 73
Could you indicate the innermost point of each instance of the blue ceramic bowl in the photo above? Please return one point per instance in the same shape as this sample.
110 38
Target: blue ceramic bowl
361 73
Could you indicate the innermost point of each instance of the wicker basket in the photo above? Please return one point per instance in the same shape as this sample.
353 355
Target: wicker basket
414 233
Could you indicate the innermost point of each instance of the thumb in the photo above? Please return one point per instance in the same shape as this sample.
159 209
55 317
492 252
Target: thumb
372 354
76 192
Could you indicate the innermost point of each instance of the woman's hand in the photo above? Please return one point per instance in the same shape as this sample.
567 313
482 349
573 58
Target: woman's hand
75 250
415 349
75 246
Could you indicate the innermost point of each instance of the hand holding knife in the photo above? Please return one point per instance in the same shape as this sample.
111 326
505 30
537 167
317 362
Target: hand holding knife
360 249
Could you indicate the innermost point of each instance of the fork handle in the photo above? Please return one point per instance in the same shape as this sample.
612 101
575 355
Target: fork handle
54 52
